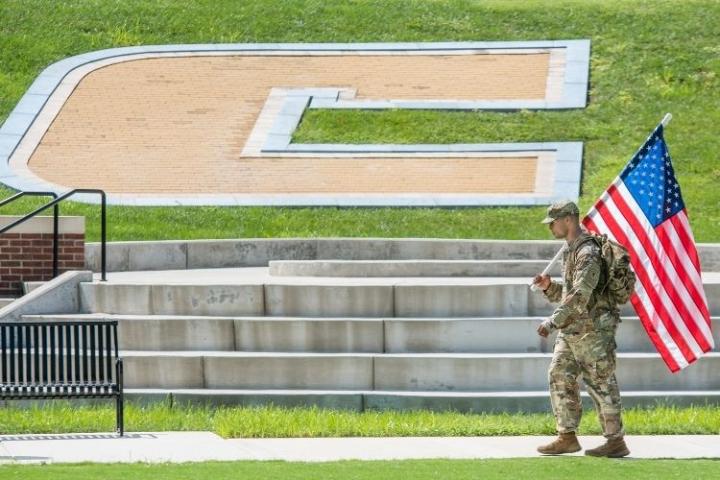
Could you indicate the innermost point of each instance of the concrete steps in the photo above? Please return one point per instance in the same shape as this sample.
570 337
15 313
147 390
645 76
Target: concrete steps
345 335
404 372
340 298
436 298
409 268
260 334
244 336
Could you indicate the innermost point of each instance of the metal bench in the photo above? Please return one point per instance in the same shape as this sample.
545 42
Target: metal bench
49 360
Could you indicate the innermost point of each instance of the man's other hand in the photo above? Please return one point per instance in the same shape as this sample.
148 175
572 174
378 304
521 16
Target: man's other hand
545 328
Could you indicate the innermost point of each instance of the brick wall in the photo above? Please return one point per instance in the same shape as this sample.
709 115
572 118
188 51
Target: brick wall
26 255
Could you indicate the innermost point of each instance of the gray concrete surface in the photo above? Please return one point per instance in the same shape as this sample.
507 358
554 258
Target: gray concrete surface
252 291
409 268
476 372
205 446
329 300
6 301
338 296
344 334
309 335
163 370
360 343
177 299
214 369
289 370
198 254
251 334
59 295
528 371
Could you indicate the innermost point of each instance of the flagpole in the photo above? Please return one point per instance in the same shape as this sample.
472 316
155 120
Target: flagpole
666 119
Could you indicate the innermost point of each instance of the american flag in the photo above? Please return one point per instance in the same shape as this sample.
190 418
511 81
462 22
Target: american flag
644 211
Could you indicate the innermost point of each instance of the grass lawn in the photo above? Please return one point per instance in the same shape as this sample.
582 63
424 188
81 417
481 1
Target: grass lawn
274 422
648 58
536 468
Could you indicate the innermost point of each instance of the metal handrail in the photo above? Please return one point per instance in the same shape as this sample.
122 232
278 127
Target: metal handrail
55 202
56 214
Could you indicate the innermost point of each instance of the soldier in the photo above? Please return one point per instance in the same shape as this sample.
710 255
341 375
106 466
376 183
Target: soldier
585 346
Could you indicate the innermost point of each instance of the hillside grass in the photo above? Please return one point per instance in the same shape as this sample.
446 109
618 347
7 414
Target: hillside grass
648 58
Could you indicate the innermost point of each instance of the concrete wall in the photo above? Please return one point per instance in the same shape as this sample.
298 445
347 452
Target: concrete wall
172 255
59 295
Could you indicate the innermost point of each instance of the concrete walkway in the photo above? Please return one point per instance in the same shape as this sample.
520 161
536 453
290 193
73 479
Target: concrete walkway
205 446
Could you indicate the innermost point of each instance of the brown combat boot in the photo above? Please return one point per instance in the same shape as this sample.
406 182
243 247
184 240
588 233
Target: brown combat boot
565 443
614 448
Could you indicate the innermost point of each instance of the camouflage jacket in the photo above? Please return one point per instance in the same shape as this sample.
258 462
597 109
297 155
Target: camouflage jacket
582 307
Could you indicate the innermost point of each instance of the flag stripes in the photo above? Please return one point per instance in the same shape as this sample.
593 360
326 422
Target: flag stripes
643 210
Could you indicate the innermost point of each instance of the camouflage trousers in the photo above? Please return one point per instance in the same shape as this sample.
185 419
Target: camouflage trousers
590 356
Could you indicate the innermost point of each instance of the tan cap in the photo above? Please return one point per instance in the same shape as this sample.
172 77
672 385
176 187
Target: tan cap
560 209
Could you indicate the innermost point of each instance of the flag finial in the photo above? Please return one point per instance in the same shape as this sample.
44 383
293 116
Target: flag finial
666 119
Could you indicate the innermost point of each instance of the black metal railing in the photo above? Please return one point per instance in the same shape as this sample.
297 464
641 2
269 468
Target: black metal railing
54 203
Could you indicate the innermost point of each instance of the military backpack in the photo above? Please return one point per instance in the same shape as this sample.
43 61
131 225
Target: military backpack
619 275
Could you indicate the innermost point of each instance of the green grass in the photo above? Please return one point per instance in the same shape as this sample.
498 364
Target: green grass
536 468
648 58
272 422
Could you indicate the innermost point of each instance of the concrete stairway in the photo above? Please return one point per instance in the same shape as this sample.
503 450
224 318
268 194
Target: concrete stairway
248 336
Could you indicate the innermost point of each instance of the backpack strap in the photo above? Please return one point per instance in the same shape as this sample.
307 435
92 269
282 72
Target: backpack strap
598 240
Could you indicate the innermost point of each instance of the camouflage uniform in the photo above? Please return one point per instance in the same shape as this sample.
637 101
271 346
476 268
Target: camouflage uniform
585 346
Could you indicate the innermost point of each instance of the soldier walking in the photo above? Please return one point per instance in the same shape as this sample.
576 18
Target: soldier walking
587 319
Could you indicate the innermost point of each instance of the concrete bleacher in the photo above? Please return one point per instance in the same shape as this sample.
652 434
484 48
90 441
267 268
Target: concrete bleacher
368 339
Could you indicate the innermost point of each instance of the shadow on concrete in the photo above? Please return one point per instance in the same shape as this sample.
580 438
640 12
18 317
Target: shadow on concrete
75 436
